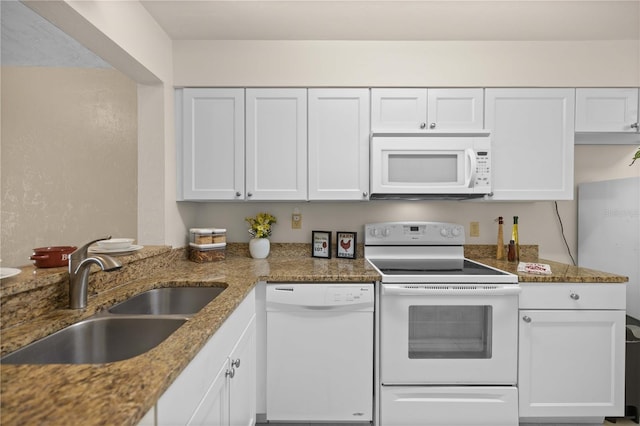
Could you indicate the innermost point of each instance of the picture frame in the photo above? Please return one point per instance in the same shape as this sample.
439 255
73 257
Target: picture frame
346 244
321 244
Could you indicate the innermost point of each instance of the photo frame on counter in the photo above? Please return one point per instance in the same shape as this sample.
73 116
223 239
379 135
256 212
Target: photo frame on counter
346 243
321 244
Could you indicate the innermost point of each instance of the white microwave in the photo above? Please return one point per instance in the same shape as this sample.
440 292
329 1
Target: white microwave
430 166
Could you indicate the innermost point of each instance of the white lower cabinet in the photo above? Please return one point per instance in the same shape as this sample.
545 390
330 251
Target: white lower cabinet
571 352
218 387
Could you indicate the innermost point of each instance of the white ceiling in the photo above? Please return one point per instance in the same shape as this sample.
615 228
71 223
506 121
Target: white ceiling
30 40
397 20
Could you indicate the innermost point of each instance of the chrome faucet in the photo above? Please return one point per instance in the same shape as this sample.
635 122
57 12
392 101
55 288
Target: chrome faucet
79 268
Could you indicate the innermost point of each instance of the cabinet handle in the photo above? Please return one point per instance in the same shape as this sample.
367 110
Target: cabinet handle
230 373
432 125
238 194
236 363
574 296
634 126
526 318
423 125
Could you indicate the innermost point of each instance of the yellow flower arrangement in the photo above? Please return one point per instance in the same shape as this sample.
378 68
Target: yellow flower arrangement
260 225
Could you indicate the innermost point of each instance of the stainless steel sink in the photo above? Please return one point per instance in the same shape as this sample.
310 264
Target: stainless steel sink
168 301
97 340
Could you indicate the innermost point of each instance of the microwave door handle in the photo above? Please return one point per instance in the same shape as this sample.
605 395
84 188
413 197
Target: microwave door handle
470 153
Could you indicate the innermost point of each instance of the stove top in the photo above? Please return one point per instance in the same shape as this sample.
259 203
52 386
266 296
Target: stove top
426 252
433 267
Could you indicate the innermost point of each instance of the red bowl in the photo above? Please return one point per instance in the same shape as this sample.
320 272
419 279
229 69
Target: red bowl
52 257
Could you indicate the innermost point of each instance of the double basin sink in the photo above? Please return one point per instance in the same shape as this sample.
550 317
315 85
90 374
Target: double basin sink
125 330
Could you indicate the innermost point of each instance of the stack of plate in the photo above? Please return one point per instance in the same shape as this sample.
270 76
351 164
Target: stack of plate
115 246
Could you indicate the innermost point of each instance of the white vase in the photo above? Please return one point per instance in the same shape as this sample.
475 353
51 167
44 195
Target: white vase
259 247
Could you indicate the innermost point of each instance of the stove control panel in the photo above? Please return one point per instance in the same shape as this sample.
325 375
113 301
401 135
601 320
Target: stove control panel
414 233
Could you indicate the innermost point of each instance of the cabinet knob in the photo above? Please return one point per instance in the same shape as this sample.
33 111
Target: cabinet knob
236 363
574 296
432 125
423 125
365 194
526 318
249 194
238 194
634 126
230 373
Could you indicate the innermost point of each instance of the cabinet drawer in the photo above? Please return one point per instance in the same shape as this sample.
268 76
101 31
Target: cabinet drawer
572 296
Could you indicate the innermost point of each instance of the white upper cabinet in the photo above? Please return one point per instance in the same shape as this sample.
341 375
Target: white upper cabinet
455 109
338 144
607 110
276 144
532 135
426 109
210 129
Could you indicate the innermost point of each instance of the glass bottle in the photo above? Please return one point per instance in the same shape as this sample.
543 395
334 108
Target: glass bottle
500 242
511 256
514 237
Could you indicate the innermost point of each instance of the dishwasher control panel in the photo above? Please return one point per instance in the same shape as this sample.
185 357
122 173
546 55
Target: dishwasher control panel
318 296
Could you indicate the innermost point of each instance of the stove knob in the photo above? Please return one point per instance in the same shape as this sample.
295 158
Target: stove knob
374 232
443 232
386 232
456 232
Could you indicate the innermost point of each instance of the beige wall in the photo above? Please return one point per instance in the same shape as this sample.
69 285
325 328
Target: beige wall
407 63
69 158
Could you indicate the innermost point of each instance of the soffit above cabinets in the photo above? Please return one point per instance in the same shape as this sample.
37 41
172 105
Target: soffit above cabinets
30 40
536 20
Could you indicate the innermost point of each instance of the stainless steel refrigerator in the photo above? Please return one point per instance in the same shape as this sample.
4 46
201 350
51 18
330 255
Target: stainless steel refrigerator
609 232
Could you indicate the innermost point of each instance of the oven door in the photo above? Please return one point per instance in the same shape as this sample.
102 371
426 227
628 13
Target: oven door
448 334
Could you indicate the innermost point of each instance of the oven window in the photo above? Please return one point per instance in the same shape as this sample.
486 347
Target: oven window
423 168
453 332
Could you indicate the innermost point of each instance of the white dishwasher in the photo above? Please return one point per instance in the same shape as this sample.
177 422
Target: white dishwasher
320 352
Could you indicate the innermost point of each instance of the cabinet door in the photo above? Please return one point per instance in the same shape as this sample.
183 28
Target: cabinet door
455 109
398 110
242 386
212 144
571 363
276 144
607 110
338 144
214 407
532 132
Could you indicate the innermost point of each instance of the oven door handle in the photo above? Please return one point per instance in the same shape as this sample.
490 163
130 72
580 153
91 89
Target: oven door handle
436 290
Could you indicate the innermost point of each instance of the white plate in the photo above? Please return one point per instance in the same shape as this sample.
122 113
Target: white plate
115 243
126 250
9 272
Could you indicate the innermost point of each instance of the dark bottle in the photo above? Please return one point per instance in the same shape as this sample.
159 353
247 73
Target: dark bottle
511 254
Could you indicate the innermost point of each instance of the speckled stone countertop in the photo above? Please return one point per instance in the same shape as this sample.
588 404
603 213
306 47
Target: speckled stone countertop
120 393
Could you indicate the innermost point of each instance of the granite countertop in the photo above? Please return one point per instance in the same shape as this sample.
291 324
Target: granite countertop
122 392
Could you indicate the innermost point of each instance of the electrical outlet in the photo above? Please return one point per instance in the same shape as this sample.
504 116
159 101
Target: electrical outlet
474 229
296 221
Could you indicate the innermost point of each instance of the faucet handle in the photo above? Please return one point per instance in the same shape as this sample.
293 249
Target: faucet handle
82 251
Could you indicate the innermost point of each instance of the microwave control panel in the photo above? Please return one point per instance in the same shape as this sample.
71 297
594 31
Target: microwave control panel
483 169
